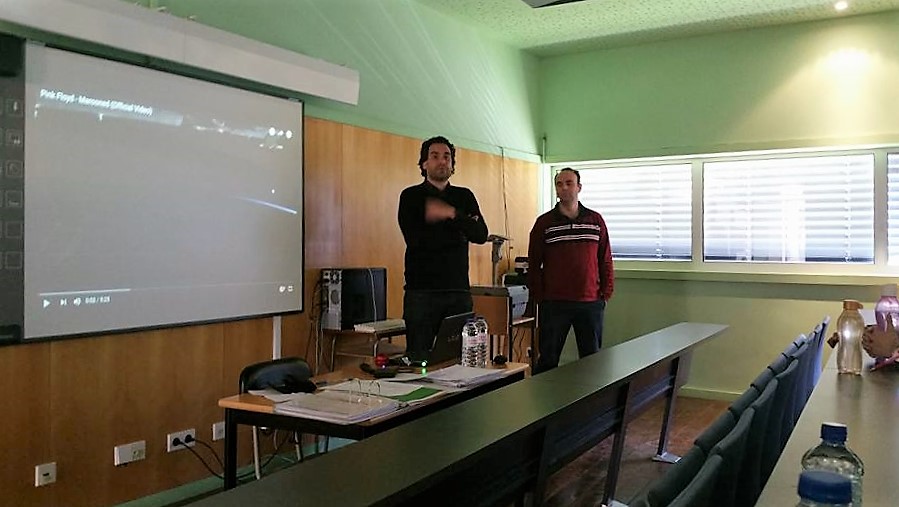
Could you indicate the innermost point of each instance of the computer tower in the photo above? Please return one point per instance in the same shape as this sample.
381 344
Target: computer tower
353 295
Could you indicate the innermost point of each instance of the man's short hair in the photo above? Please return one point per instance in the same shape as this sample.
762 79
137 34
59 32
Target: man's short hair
571 170
426 148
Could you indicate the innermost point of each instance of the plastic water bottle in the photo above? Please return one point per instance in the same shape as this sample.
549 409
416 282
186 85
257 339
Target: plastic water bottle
824 489
481 325
887 307
469 343
832 455
850 327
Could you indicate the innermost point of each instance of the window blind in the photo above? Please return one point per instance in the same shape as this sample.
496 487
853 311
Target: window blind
647 209
893 207
790 210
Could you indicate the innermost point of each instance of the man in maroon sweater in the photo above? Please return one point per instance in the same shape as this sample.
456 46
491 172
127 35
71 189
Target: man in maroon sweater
570 273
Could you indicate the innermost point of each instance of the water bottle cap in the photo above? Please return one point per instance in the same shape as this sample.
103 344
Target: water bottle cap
888 290
825 487
834 432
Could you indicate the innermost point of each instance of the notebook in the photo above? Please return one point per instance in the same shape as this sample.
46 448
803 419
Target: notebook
447 344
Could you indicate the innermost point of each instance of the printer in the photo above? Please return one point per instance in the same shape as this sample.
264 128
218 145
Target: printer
517 294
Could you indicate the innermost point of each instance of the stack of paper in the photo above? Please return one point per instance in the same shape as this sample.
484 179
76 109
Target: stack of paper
336 406
463 376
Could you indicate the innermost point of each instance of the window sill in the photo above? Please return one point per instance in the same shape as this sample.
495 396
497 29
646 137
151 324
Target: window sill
638 273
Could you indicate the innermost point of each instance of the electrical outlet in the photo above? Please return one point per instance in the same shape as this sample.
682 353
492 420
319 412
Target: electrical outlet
218 431
44 474
170 439
126 453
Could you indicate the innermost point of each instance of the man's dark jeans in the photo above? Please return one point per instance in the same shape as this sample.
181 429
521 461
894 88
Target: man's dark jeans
556 318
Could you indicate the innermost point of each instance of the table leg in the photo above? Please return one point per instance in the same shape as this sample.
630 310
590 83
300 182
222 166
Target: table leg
662 454
230 468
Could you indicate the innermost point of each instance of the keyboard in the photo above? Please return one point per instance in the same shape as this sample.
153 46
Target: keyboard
381 326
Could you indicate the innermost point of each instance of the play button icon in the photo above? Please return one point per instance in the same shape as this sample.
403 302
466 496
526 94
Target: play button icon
46 303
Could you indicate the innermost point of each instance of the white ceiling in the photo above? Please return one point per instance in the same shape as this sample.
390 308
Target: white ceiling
593 24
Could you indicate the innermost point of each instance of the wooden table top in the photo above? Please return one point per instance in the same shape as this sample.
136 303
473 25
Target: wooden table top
253 403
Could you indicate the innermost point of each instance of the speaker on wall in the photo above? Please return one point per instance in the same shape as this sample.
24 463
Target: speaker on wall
12 54
352 296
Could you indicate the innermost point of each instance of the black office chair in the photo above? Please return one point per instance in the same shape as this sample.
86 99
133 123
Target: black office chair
778 430
664 489
716 431
732 449
289 374
700 491
750 486
743 402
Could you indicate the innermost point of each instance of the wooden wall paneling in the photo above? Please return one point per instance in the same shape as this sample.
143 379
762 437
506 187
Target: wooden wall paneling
480 172
245 342
25 436
521 187
377 167
323 195
117 389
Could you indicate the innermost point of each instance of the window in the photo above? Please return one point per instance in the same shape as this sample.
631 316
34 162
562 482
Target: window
893 206
646 208
790 210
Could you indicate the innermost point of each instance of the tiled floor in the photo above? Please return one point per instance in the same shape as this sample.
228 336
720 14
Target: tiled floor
581 483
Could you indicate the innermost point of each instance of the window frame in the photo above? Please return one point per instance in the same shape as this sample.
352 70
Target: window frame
665 268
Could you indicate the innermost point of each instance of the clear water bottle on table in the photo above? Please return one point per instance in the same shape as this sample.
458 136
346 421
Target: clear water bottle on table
481 325
469 343
832 455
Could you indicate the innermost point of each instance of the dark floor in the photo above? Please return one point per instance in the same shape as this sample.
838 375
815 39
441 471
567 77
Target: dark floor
581 483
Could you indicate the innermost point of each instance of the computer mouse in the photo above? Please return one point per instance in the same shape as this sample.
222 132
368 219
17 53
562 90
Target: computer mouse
499 359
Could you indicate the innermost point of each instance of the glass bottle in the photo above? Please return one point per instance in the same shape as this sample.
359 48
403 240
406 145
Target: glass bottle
832 455
818 488
850 327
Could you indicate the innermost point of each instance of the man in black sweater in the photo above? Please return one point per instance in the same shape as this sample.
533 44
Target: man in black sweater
438 220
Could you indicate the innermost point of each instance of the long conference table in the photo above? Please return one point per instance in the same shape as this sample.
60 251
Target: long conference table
869 406
498 447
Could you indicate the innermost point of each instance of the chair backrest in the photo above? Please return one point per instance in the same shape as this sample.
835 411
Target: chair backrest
663 490
818 347
288 374
779 364
805 357
699 493
778 432
743 402
762 380
732 448
750 486
716 431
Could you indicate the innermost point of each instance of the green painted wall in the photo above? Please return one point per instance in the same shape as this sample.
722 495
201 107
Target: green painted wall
825 83
421 72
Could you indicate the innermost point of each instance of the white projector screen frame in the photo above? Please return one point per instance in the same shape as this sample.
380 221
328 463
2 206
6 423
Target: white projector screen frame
153 199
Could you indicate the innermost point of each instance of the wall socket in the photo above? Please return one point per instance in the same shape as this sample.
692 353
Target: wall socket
218 431
44 474
126 453
170 438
